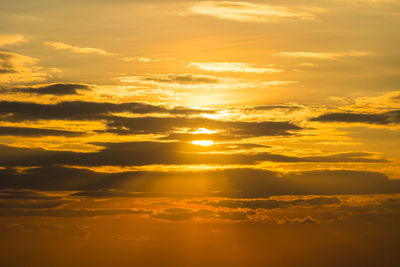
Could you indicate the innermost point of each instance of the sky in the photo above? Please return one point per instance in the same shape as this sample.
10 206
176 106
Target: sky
199 133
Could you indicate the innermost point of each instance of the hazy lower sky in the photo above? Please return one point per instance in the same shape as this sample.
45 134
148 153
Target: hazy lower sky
199 133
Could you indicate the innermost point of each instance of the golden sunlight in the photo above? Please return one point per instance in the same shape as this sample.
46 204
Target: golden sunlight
202 142
203 131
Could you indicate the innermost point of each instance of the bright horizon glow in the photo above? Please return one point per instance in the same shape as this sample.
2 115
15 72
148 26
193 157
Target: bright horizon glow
202 142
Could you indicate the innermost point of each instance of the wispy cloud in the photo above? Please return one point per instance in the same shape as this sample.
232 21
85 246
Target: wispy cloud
17 68
231 67
323 55
250 12
197 81
11 39
78 49
92 50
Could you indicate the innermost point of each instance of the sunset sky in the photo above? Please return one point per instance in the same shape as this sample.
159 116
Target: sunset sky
199 133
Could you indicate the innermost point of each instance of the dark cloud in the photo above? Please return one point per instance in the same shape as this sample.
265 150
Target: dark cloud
306 220
54 89
28 199
31 204
6 65
69 212
106 194
232 183
36 132
6 71
148 153
78 110
25 195
390 117
123 125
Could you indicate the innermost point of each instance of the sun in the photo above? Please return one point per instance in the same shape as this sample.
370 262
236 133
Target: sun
203 142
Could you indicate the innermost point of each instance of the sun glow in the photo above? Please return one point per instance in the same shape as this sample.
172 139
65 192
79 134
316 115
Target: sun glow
203 142
203 131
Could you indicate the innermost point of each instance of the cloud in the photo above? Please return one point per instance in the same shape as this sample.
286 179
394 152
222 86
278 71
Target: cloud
123 125
306 220
54 89
390 117
11 39
271 203
79 110
10 205
35 132
26 195
323 55
180 214
183 214
251 12
258 108
69 212
171 78
78 49
231 67
164 153
240 183
147 60
109 193
197 81
16 68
